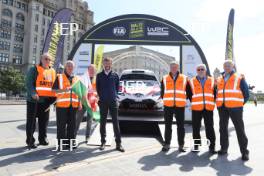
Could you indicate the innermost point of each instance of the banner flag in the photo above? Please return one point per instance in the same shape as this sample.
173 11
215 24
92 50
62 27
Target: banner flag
54 41
229 53
99 57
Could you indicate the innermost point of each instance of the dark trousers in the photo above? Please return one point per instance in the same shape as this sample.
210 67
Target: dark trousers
36 110
89 120
168 116
197 117
113 108
236 115
66 122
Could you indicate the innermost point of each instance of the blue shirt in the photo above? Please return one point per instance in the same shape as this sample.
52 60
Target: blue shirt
201 80
227 76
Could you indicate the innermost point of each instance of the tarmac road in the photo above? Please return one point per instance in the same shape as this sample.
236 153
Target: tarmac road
143 154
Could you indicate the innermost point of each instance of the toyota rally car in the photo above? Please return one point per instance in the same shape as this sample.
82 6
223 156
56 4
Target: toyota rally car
139 91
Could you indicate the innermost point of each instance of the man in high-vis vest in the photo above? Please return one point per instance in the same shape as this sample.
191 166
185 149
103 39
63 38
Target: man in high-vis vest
202 96
80 113
173 92
232 94
67 105
39 81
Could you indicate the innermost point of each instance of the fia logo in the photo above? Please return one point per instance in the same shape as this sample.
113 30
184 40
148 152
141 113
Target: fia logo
119 31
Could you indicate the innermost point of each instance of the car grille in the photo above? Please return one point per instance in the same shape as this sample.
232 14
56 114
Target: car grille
138 95
138 105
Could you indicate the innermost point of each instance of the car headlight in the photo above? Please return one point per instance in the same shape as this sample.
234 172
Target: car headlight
121 94
156 94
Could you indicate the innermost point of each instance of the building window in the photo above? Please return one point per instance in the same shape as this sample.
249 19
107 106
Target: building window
48 23
43 32
4 45
19 27
36 28
35 39
6 23
37 17
5 34
18 4
4 57
43 22
18 49
20 17
34 60
24 7
34 50
7 12
17 60
19 37
42 42
8 2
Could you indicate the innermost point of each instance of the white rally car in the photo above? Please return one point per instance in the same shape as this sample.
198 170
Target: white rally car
139 91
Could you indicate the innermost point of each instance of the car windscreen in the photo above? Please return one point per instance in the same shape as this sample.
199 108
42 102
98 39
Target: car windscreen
148 83
138 77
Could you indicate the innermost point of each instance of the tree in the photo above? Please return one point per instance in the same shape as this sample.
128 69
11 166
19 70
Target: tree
11 81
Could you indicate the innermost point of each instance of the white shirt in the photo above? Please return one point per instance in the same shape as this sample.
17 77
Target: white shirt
107 72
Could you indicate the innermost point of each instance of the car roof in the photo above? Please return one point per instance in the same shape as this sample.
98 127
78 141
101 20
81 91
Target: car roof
137 71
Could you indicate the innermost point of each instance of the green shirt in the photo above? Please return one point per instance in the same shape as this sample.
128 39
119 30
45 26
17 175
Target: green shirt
31 84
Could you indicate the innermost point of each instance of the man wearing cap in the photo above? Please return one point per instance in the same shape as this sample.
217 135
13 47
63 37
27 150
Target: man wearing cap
173 93
232 94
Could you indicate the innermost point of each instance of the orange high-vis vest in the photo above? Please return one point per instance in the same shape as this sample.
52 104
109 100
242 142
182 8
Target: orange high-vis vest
229 93
68 98
203 96
174 91
44 82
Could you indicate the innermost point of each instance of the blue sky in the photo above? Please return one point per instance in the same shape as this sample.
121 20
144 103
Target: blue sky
206 21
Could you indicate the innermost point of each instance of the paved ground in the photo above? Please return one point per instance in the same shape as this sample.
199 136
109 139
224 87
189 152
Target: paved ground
142 156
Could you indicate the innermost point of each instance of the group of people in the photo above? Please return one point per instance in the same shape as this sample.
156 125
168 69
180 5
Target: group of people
45 87
229 93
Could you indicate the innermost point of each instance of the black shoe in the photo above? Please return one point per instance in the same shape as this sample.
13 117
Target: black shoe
222 152
32 146
212 151
181 149
102 147
120 148
245 156
165 148
195 149
44 142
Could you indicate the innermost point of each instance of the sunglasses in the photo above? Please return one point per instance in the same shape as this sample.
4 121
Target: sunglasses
200 69
47 59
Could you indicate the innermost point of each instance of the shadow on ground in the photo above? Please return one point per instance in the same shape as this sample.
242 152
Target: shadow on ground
188 162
